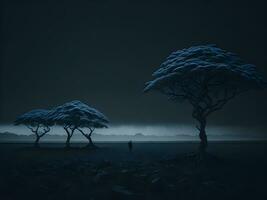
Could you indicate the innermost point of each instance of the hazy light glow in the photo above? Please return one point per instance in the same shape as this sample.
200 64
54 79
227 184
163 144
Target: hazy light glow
150 130
159 130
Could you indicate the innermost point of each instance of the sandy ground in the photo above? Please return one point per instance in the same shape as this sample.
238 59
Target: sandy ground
235 170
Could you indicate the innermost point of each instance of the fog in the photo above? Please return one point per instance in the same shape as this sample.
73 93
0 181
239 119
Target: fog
154 130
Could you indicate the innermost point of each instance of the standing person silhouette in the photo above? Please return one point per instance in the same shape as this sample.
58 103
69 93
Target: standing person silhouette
130 145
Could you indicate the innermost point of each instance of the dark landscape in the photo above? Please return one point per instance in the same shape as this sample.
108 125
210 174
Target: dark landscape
133 100
151 171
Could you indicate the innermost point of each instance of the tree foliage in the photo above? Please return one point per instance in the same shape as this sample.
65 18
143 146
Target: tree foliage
36 121
206 76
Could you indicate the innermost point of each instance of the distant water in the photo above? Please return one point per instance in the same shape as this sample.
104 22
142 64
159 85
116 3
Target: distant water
157 130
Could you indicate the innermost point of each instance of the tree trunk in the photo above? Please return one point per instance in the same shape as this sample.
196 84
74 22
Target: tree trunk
36 143
203 138
68 141
90 142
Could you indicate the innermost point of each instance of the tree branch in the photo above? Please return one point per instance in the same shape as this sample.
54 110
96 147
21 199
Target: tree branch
84 134
220 103
91 131
46 129
31 128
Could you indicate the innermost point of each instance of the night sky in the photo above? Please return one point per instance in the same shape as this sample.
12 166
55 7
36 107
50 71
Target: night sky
102 53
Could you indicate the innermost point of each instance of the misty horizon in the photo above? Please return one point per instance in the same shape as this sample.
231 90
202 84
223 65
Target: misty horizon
153 130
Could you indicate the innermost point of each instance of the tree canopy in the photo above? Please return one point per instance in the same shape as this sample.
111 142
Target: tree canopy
76 113
33 118
206 76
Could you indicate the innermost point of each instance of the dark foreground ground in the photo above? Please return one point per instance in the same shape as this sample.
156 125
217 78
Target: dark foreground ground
152 171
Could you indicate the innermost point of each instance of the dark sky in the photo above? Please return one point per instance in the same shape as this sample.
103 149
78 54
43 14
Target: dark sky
102 53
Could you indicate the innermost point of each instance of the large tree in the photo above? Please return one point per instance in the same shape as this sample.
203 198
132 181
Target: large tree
76 115
207 77
36 121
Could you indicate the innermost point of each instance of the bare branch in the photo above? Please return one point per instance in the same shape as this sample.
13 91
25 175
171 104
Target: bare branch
84 134
45 130
31 128
220 103
91 131
72 131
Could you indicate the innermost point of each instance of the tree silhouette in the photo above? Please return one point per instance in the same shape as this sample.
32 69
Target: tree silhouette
91 125
36 121
207 77
76 115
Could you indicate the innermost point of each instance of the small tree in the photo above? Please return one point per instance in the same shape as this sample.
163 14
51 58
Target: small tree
207 77
36 121
91 125
75 115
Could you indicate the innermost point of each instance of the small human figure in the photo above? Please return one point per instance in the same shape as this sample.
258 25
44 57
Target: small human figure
130 145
